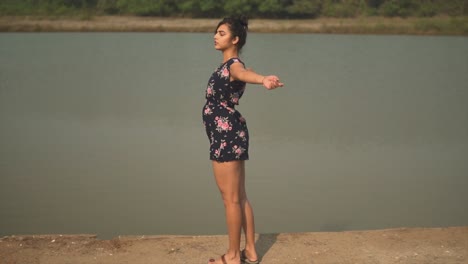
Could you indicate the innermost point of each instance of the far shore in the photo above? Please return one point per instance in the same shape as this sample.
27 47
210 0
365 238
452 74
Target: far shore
360 25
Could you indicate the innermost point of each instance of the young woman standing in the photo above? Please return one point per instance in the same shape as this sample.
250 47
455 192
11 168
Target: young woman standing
229 137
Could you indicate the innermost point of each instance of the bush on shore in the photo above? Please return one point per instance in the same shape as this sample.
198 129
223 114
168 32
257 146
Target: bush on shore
252 8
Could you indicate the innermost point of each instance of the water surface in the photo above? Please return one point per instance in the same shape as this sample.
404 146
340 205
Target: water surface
102 133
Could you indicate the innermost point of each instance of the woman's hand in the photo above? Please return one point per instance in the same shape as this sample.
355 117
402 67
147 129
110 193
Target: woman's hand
271 82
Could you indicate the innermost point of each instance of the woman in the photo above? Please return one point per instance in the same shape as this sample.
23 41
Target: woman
229 137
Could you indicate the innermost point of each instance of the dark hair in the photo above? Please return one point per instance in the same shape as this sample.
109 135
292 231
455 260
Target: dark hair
238 26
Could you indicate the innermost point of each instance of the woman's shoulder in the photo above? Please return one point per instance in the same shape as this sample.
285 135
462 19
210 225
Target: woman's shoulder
234 60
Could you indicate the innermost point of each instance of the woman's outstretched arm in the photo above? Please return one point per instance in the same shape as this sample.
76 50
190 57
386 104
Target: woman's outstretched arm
238 72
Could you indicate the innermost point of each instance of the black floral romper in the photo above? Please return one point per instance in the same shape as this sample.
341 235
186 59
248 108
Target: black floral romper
225 127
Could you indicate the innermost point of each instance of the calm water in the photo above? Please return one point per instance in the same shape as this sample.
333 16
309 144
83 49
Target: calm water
102 133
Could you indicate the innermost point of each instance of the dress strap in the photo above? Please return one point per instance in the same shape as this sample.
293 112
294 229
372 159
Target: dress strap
233 60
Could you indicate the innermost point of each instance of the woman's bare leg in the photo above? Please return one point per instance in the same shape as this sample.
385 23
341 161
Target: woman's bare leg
228 178
248 223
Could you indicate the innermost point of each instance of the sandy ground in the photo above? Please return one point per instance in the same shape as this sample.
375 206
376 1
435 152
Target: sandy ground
364 25
403 245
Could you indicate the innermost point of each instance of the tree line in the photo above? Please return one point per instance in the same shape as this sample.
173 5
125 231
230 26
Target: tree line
280 9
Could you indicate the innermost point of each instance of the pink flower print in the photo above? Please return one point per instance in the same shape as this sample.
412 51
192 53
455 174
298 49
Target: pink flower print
211 138
217 153
208 110
230 109
210 91
235 98
223 104
242 119
222 124
224 72
223 144
242 135
238 151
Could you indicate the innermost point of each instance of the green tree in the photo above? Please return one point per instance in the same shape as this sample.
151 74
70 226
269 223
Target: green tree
272 8
374 3
107 7
251 8
453 7
80 3
305 8
426 8
239 7
196 8
189 7
147 7
211 7
393 8
342 8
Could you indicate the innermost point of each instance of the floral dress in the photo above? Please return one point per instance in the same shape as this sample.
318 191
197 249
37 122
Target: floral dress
225 127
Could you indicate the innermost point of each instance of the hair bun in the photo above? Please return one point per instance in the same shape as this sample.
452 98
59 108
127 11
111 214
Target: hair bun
244 21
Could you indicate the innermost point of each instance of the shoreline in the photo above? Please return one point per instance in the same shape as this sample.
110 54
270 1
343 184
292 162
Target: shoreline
457 26
448 245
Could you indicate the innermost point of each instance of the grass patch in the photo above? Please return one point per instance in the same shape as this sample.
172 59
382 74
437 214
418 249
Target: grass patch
454 25
89 21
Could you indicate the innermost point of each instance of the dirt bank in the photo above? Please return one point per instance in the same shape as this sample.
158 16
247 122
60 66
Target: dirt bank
362 25
402 245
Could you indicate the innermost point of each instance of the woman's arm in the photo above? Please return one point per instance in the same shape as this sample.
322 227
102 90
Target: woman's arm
238 72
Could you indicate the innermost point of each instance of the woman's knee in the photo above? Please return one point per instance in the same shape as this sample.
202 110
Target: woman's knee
241 201
231 199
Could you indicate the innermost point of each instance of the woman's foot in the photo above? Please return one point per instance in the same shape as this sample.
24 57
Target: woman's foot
225 259
249 257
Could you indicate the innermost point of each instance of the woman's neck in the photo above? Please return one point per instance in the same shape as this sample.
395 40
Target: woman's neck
229 54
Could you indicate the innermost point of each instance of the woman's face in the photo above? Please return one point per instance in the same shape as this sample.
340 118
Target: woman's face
223 38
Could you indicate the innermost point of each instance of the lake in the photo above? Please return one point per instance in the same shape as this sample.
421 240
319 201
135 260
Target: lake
102 133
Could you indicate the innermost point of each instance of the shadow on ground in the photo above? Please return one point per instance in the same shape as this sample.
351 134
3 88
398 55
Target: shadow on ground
264 243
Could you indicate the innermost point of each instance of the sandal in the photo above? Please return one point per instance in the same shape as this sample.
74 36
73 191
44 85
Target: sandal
222 259
245 260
